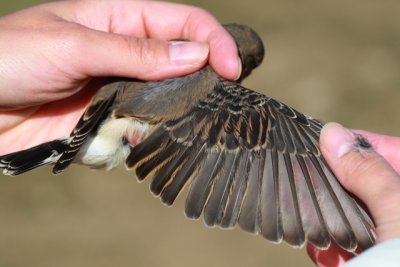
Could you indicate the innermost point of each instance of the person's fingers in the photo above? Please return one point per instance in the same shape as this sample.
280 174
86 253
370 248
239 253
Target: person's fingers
161 21
366 174
142 58
188 22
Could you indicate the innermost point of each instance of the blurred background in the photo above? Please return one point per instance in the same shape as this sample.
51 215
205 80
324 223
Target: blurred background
334 60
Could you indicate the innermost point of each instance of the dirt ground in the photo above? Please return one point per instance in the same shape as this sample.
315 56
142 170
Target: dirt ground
337 61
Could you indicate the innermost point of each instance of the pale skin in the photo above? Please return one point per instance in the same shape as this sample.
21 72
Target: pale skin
51 53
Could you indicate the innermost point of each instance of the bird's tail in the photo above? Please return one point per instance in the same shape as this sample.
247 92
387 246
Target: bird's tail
31 158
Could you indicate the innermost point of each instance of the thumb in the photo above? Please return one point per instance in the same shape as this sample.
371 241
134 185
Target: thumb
108 54
363 172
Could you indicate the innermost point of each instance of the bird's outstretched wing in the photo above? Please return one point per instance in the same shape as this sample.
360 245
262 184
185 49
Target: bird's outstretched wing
252 160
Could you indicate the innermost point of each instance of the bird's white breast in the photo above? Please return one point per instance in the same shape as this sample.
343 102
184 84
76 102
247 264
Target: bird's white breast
112 144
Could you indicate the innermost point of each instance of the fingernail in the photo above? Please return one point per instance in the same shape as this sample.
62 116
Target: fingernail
187 53
240 69
337 140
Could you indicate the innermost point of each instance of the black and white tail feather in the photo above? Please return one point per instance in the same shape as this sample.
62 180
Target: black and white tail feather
29 159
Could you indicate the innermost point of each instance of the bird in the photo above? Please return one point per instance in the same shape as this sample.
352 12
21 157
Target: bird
246 158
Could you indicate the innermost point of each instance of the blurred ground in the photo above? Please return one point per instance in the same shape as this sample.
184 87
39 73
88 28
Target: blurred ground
336 60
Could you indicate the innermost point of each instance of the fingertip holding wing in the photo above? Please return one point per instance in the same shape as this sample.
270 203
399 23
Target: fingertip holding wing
252 161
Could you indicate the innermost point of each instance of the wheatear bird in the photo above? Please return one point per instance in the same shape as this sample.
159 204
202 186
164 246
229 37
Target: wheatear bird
249 159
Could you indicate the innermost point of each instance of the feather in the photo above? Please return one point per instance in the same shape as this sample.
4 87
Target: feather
26 160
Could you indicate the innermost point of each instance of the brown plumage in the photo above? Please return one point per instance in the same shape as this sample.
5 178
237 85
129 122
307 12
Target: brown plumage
247 159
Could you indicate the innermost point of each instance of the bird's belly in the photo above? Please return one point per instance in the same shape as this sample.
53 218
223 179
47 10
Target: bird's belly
112 145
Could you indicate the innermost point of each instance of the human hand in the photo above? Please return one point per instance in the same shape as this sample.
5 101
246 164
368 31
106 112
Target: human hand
49 53
372 174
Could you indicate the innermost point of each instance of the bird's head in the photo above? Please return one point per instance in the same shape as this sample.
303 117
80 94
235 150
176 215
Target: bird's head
250 45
